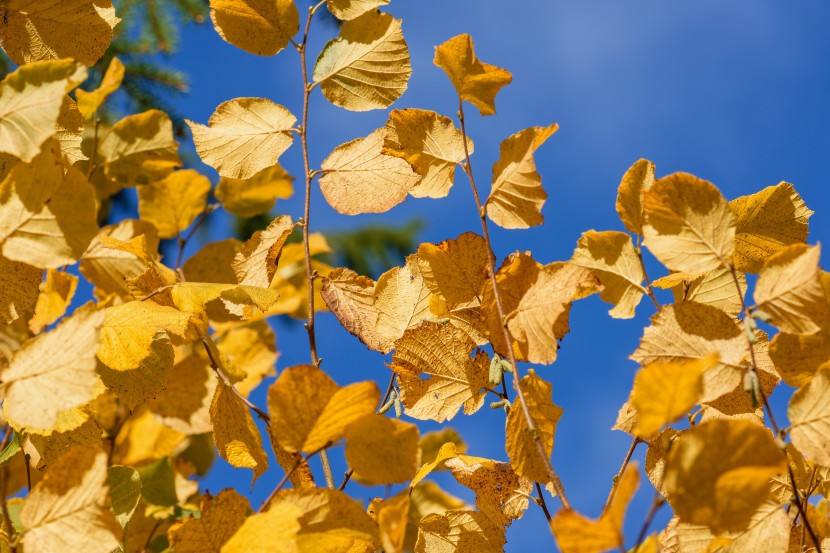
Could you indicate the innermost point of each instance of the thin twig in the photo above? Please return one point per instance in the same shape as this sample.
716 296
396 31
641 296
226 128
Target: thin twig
94 153
649 289
656 503
282 482
802 511
26 458
150 536
540 500
210 208
617 478
491 267
217 368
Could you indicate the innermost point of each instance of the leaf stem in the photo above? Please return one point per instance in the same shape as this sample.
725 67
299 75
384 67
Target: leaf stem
210 208
491 267
540 500
656 503
649 289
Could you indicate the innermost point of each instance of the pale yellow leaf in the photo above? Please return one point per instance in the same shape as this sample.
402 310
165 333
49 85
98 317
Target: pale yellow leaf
143 439
44 450
688 224
251 349
636 181
237 436
213 262
69 131
474 81
255 195
245 136
768 531
221 516
431 144
89 102
55 294
798 356
360 178
350 297
517 196
349 9
459 531
455 269
173 203
809 413
184 404
367 66
256 262
401 300
382 450
238 302
716 288
392 516
261 27
19 287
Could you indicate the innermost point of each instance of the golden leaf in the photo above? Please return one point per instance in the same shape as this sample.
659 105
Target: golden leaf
501 494
47 217
664 391
38 30
30 103
431 443
255 195
688 224
239 302
184 404
809 413
367 66
521 447
315 520
351 298
260 27
143 439
455 269
44 450
768 531
89 102
349 9
291 282
636 181
256 262
392 516
612 259
718 473
360 178
799 356
173 203
436 374
19 287
67 510
245 136
715 288
474 81
381 450
53 372
69 131
125 492
431 144
55 294
251 349
790 292
237 436
221 517
213 262
401 300
459 531
768 221
578 534
308 410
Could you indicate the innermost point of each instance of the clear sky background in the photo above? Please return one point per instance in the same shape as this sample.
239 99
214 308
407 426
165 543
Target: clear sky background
737 93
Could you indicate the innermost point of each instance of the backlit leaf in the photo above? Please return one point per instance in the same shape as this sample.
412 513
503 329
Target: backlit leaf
392 516
716 288
461 531
124 490
382 450
456 269
636 181
19 286
401 300
89 102
809 413
799 356
367 66
349 9
350 297
261 27
173 203
55 294
237 436
255 195
256 262
184 404
221 517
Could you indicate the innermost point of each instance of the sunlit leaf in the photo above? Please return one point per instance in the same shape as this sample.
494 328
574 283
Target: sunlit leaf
809 413
90 102
257 194
237 436
636 181
261 27
382 450
221 516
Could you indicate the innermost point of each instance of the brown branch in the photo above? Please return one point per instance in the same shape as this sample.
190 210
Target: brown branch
656 503
93 155
617 478
801 509
491 267
540 500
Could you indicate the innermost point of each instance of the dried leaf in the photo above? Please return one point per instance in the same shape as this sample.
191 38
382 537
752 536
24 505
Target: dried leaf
19 287
461 531
636 181
351 298
474 81
455 269
256 262
350 9
221 517
401 300
799 356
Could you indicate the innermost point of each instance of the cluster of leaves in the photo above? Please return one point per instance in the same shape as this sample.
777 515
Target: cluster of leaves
109 412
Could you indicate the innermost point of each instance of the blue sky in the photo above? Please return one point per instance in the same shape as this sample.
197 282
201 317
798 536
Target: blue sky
734 92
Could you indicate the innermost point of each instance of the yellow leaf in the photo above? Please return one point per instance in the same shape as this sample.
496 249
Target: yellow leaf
221 517
245 136
124 491
308 410
68 511
184 404
44 450
256 262
237 436
89 102
517 196
19 286
436 374
664 391
521 447
69 131
53 372
239 302
768 531
37 30
213 262
431 443
501 494
455 269
636 181
688 224
252 349
360 178
809 413
392 516
401 300
143 439
259 27
715 288
307 521
612 259
173 203
578 534
459 531
382 450
790 292
55 294
367 66
718 473
431 144
799 356
291 281
349 9
48 216
255 195
350 297
137 150
30 103
767 222
475 81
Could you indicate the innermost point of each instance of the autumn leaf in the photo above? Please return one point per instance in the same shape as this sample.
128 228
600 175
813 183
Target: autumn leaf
636 181
350 9
37 30
809 414
238 302
799 356
381 450
221 516
308 410
716 288
143 439
350 297
461 530
455 269
174 202
245 136
184 404
55 294
392 516
69 132
401 301
257 194
19 287
237 436
431 144
212 263
474 81
768 221
90 102
367 66
124 485
256 262
259 27
688 224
